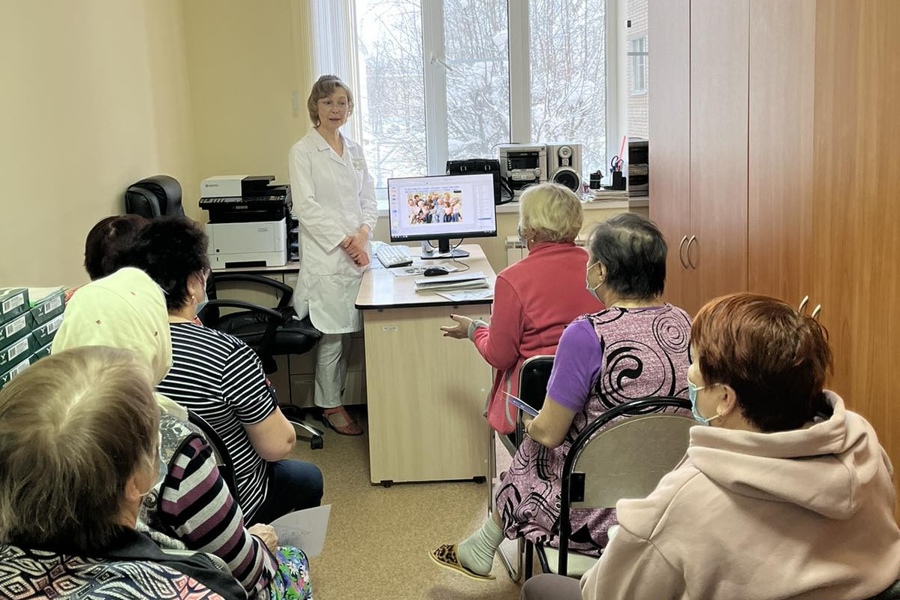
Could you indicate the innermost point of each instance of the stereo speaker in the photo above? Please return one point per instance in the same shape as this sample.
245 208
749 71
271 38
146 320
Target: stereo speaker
564 165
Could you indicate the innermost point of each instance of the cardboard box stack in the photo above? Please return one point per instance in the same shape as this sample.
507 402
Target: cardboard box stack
29 319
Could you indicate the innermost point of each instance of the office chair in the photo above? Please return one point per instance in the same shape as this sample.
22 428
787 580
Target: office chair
533 378
269 331
606 464
153 197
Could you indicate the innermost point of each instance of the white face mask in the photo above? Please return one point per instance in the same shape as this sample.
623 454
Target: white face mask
587 282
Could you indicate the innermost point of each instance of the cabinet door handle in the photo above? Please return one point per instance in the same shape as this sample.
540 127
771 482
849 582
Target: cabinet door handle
691 243
681 252
816 311
803 304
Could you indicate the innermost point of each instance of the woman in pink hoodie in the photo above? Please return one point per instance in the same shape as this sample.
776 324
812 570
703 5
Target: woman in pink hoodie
784 493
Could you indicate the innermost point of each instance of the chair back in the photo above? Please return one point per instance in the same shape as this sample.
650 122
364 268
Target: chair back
625 459
533 379
220 451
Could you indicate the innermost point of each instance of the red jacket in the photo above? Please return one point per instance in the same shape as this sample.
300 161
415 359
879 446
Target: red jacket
534 300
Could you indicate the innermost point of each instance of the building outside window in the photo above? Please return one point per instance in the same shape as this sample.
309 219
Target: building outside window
638 53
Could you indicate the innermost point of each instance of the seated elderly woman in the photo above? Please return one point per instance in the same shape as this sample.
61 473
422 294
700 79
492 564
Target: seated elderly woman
636 347
785 494
535 298
192 507
79 449
220 378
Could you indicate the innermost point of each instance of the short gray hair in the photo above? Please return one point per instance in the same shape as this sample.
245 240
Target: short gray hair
73 429
551 212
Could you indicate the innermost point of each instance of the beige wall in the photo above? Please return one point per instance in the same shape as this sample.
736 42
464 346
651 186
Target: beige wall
94 97
246 62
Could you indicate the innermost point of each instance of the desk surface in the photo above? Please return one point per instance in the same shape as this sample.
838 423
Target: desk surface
382 288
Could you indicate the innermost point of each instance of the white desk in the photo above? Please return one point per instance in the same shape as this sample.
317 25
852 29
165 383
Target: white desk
426 393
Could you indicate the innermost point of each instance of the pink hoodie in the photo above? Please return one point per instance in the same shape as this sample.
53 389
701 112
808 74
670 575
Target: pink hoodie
761 516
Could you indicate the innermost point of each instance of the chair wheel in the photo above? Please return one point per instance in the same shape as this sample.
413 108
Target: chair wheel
316 443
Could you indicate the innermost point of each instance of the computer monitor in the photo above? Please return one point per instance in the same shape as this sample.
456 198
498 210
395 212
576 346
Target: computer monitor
442 207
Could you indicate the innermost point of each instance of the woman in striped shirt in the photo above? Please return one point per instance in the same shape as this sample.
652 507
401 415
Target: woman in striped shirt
221 379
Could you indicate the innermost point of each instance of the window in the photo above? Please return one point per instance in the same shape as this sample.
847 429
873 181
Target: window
452 79
638 52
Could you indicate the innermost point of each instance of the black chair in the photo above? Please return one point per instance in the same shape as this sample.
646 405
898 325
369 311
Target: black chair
153 197
533 379
269 331
606 464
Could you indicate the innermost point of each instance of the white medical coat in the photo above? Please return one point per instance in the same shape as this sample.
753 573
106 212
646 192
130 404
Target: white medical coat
333 197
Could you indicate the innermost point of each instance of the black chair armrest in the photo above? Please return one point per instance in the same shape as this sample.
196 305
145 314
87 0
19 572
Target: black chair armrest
269 312
287 292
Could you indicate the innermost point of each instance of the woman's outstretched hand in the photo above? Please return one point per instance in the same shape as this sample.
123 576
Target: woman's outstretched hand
460 330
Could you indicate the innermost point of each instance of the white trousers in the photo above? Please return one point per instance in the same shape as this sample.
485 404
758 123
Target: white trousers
332 354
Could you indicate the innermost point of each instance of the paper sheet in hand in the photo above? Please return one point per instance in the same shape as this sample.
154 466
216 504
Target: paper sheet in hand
521 404
304 529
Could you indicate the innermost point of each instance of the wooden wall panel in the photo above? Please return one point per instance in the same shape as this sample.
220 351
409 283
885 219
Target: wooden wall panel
782 84
857 203
670 134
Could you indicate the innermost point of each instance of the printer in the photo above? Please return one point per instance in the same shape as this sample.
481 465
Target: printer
248 220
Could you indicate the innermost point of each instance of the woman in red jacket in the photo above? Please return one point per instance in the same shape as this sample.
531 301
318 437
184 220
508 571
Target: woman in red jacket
535 298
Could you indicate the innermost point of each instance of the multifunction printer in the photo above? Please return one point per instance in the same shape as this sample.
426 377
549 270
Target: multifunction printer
248 220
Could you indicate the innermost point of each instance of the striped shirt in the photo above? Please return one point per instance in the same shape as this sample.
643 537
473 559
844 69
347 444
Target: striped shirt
197 507
220 378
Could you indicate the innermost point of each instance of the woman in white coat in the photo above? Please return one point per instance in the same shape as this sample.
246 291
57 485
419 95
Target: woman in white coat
334 198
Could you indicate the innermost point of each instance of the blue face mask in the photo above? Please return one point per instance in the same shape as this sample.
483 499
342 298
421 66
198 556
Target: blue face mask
692 395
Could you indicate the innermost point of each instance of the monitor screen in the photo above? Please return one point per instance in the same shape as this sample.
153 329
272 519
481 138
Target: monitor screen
441 207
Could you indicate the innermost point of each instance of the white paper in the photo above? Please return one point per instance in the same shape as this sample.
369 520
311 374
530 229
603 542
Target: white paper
304 529
467 295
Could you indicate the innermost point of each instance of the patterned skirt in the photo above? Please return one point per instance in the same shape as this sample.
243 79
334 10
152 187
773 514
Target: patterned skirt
291 581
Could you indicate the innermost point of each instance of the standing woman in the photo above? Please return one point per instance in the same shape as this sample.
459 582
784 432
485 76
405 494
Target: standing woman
334 196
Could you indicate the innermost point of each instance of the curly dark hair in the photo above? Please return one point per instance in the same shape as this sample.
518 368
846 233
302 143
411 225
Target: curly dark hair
169 250
106 240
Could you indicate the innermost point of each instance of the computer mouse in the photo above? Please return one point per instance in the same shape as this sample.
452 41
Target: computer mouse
432 271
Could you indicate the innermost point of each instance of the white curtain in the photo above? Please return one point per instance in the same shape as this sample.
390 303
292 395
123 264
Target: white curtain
335 50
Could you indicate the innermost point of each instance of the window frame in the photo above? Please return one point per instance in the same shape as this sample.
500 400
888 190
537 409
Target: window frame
435 65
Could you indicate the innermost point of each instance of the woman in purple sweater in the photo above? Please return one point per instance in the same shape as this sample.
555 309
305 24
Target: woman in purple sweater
636 347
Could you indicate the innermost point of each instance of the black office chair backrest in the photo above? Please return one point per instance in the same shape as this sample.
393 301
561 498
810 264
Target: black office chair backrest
220 451
533 379
153 197
611 459
892 593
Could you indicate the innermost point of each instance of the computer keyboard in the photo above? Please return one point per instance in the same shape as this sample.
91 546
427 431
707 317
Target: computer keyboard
393 256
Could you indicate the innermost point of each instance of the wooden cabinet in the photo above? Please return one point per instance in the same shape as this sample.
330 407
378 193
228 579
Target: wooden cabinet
699 130
793 169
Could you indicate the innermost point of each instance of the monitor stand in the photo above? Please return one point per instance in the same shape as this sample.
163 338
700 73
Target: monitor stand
443 250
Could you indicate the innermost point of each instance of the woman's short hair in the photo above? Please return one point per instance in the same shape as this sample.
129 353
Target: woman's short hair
105 242
169 250
551 213
633 250
324 87
74 428
775 358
